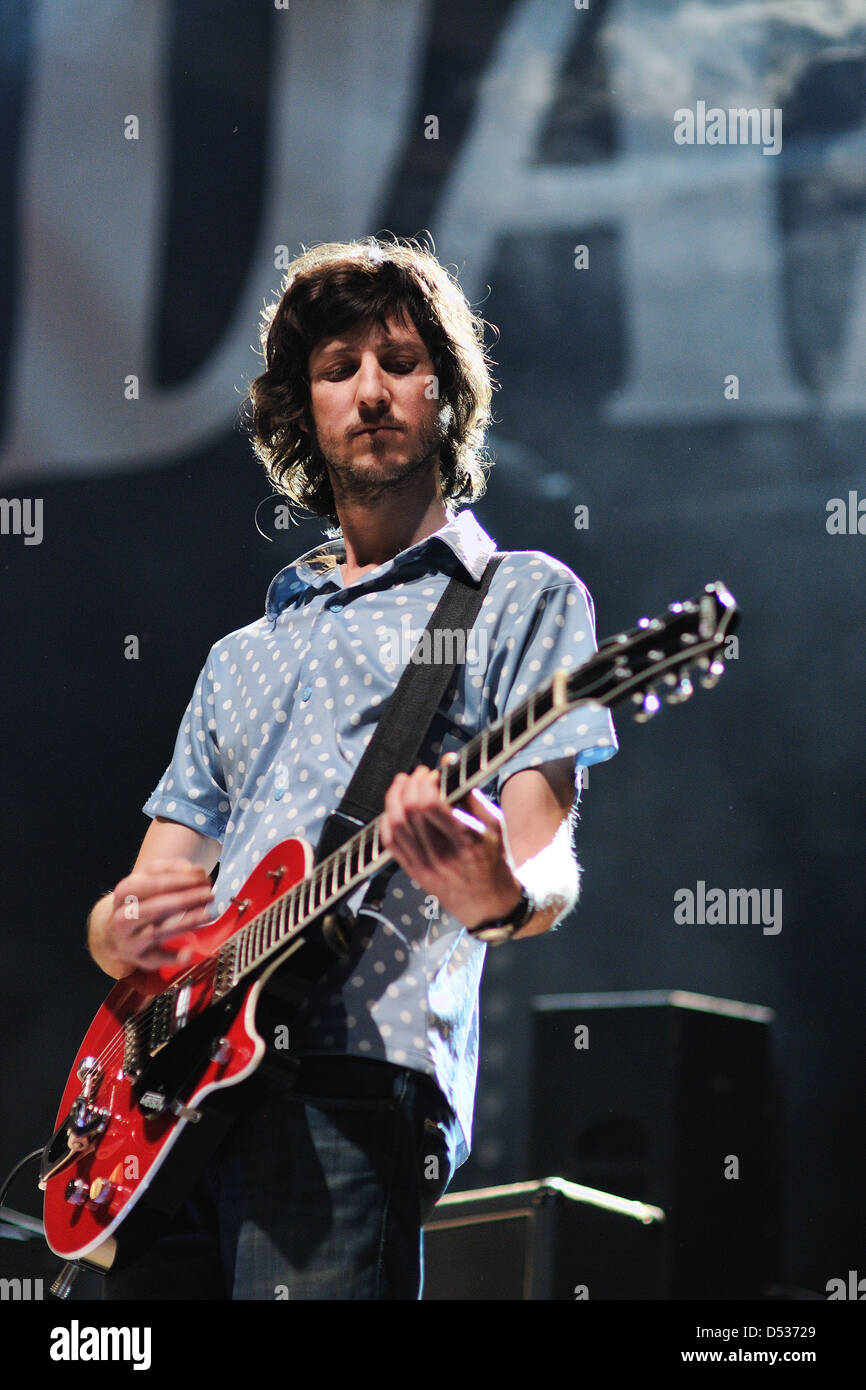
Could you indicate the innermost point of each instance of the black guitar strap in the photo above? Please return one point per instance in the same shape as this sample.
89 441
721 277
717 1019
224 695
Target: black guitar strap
409 712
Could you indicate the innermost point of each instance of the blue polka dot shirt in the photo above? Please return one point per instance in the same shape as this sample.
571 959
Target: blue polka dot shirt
280 716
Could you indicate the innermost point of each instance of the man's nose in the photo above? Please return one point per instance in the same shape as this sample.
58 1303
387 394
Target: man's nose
371 390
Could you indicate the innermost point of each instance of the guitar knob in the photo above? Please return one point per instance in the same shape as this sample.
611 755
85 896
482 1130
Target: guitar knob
85 1067
646 706
101 1192
77 1192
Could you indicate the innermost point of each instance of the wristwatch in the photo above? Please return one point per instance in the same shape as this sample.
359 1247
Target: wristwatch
499 929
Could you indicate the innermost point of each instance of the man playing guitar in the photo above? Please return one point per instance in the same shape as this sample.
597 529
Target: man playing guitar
371 413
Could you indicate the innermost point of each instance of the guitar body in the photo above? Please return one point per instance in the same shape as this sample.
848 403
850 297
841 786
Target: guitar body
95 1171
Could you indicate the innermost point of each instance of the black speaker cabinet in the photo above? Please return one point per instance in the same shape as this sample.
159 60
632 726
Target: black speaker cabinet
668 1098
542 1240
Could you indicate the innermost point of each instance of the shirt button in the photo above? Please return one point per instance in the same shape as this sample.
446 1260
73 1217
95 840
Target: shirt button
306 695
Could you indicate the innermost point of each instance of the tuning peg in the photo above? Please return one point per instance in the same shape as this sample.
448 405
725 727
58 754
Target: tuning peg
682 691
713 674
645 706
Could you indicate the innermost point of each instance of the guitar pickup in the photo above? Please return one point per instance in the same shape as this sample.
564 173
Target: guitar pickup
170 1011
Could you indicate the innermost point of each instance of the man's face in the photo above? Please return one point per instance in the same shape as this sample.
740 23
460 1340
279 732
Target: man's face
377 419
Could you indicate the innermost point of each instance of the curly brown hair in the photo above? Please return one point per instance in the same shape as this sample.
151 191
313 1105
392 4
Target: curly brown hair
332 287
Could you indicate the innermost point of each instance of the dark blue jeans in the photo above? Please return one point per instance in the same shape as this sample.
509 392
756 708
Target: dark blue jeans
318 1191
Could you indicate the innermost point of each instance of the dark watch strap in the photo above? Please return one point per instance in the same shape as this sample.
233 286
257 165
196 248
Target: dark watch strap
499 929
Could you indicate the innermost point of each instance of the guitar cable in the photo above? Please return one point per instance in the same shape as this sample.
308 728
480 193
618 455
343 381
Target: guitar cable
37 1153
22 1223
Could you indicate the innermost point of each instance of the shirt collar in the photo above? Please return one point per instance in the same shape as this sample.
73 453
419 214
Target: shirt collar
314 570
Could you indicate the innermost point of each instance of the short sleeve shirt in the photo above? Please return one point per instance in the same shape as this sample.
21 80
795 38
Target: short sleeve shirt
282 712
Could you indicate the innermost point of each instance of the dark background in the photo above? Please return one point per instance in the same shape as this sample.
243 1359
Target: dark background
758 784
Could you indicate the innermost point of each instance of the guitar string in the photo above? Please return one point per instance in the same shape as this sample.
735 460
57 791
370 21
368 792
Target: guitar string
340 859
116 1045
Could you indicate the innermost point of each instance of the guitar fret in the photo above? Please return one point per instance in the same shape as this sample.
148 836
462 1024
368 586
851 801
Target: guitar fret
473 759
362 855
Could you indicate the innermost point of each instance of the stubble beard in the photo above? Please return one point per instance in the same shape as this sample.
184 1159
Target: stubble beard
356 482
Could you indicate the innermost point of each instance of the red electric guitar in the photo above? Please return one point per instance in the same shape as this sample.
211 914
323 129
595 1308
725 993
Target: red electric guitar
167 1039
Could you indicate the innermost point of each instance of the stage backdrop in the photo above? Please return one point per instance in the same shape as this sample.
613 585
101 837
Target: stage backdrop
662 207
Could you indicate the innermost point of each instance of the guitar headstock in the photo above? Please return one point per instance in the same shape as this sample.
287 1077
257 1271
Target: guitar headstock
655 660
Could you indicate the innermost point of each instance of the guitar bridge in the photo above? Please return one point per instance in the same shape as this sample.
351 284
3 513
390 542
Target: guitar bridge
226 977
132 1060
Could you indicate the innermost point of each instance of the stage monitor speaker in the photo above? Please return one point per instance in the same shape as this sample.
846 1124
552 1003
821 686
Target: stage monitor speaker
541 1240
668 1098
